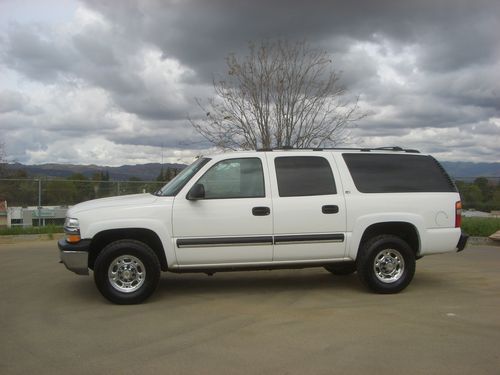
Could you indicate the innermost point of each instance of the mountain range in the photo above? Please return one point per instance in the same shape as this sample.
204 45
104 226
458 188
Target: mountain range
149 172
146 172
460 169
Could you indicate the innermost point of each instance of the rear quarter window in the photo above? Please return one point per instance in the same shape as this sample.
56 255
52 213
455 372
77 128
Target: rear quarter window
386 173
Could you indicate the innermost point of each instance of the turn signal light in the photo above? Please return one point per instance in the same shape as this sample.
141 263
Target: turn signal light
458 214
73 238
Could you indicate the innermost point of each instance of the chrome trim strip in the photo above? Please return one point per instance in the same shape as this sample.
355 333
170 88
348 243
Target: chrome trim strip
224 241
259 241
308 238
181 246
306 242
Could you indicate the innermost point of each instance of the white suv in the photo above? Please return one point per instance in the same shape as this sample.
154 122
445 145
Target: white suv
374 211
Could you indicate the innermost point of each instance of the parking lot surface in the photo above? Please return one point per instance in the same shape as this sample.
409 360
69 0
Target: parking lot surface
267 322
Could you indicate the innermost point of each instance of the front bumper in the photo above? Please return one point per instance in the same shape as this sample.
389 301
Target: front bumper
462 242
75 256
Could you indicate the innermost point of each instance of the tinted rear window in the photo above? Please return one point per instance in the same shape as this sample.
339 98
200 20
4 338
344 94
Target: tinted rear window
382 173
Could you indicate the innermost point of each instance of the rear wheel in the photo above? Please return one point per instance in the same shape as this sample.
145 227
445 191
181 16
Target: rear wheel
127 272
386 264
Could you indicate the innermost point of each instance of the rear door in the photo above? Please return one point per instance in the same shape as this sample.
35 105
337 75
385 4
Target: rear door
309 212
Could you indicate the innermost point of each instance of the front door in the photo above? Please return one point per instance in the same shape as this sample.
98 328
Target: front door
232 222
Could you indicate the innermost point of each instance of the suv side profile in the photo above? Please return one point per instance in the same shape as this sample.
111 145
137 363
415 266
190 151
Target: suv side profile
370 211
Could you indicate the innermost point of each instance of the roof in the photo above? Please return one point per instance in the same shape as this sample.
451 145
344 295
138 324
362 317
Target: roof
379 150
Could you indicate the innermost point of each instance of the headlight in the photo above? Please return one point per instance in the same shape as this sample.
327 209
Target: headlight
72 230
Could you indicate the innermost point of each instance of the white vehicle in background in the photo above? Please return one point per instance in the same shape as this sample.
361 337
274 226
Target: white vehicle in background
374 211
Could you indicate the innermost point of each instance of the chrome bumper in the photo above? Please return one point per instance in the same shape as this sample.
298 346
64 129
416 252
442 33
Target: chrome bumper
75 257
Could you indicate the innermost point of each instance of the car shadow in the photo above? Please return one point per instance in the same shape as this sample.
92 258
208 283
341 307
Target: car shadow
173 285
254 282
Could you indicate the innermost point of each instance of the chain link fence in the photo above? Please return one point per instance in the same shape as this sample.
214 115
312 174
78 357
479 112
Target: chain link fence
48 199
56 192
41 202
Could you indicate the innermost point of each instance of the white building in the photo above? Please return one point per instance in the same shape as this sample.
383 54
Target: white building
34 216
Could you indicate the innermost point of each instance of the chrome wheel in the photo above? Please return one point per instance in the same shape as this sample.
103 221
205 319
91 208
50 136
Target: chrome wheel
126 273
389 265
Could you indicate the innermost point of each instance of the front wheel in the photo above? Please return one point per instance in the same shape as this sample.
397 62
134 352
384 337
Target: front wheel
127 272
386 264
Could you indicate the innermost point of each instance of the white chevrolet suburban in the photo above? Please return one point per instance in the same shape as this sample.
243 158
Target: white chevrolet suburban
370 211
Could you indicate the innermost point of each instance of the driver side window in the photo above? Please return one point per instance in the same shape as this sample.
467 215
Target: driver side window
234 178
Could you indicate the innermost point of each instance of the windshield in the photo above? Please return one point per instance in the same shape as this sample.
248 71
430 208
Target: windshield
175 185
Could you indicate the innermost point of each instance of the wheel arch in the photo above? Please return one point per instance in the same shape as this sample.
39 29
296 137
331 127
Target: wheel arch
146 236
404 230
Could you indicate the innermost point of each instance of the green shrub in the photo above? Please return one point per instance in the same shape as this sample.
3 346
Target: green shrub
480 226
49 229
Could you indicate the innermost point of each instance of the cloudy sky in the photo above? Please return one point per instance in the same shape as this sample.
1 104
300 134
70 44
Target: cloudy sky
112 82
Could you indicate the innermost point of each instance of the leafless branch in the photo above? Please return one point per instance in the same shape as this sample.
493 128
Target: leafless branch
281 94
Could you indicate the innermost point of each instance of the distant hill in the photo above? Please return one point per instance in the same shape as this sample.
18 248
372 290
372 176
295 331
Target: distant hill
146 172
466 169
149 172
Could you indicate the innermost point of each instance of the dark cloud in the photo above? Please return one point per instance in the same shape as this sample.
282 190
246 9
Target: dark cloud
201 33
36 56
129 71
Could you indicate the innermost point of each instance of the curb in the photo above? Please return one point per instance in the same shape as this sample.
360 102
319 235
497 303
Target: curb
478 241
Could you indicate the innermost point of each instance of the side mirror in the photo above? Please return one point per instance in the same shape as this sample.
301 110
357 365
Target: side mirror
196 192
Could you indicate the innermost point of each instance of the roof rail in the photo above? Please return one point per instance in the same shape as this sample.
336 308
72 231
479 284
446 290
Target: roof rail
363 149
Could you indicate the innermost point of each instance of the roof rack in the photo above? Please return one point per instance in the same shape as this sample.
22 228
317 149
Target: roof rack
363 149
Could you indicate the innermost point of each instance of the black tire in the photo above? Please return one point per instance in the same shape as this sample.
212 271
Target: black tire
386 264
127 272
341 269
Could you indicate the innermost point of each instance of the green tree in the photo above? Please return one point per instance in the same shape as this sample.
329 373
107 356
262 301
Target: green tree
101 185
496 198
481 194
486 187
18 190
84 189
60 192
474 196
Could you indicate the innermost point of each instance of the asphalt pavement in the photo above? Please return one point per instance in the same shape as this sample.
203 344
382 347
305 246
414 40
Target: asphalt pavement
265 322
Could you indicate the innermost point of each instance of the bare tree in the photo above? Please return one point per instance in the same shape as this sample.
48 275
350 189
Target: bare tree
281 94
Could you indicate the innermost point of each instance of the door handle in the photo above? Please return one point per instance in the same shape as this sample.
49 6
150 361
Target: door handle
330 209
261 211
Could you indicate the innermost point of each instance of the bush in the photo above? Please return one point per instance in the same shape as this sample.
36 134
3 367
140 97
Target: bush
49 229
480 226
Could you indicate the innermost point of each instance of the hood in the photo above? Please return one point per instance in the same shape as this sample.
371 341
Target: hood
119 201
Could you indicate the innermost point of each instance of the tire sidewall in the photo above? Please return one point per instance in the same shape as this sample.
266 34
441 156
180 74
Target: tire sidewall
133 248
367 259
